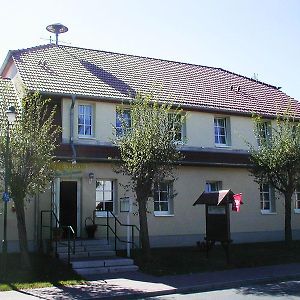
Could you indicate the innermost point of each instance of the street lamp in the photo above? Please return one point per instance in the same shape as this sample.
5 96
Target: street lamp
11 117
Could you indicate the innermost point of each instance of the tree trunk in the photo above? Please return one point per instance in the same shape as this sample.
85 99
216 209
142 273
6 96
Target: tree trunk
144 234
287 222
20 213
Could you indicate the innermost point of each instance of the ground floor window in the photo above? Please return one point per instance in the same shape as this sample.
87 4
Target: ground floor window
104 195
163 198
267 198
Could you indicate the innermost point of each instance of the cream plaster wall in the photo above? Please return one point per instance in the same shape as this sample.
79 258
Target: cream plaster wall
187 219
199 126
30 218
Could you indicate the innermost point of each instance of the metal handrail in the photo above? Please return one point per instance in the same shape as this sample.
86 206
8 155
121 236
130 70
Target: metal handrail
114 230
69 228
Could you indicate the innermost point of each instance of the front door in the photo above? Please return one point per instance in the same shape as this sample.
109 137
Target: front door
68 204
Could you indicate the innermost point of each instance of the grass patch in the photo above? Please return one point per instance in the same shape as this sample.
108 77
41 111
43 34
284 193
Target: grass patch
45 272
185 260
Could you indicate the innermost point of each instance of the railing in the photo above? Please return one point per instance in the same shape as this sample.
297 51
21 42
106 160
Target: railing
69 229
114 230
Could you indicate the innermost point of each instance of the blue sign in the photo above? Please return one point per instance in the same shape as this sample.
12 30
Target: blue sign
5 197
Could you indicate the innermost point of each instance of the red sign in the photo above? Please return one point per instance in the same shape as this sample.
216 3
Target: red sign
237 201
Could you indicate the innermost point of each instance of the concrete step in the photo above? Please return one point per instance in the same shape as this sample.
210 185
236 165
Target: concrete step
98 247
109 262
102 253
88 248
64 249
83 242
91 242
64 255
102 270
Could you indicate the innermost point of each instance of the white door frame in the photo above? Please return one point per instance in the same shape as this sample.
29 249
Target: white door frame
78 205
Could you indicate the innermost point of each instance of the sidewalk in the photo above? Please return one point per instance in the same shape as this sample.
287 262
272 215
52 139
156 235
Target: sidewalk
137 284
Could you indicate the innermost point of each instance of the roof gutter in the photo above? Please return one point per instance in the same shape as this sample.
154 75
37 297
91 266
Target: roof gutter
183 106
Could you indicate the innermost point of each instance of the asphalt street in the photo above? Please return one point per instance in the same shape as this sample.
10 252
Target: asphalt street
288 290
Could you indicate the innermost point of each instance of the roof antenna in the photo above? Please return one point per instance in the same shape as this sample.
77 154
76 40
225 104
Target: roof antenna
57 28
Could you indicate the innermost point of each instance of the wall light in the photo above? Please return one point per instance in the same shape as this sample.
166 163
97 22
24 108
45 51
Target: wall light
91 177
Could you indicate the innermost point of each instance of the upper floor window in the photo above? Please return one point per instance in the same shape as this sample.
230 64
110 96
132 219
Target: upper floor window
85 120
123 122
177 126
222 131
213 186
267 198
163 198
264 132
297 199
104 196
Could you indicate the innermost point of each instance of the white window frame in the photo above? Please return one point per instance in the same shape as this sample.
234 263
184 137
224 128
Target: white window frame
217 131
297 200
158 192
119 129
271 199
103 213
80 135
213 186
182 128
264 129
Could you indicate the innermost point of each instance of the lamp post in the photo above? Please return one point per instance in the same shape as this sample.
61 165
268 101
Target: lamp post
11 117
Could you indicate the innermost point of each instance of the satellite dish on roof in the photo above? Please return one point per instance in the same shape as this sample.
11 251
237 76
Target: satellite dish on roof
57 28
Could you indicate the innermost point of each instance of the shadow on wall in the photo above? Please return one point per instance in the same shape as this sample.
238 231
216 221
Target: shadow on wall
109 79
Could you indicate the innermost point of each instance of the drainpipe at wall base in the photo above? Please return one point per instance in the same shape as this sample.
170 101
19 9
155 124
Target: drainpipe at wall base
72 129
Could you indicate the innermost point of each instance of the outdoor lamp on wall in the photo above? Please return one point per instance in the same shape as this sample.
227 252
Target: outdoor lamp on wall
91 177
11 114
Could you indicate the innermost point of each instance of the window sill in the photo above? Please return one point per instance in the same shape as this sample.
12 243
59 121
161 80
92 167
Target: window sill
267 212
156 214
86 137
297 211
222 146
103 214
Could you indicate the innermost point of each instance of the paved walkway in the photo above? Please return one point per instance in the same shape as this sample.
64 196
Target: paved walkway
137 284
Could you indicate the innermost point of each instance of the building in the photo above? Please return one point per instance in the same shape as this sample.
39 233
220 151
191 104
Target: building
87 86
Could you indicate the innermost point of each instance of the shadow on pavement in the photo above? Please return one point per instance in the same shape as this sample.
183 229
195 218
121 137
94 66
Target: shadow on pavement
290 288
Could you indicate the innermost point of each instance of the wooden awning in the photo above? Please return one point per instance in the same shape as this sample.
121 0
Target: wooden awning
215 198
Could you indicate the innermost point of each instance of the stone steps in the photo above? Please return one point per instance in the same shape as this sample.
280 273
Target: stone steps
94 257
64 255
100 266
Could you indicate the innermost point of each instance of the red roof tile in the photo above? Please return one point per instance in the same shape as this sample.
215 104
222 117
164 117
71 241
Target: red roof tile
92 73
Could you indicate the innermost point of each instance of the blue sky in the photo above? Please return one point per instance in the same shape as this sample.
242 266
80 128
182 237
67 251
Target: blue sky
242 36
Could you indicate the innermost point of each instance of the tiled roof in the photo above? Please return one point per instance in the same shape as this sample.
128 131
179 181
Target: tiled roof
100 74
7 92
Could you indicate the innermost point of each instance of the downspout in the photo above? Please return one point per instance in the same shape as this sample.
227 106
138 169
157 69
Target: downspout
72 130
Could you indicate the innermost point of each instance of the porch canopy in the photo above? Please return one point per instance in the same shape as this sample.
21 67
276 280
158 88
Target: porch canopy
221 197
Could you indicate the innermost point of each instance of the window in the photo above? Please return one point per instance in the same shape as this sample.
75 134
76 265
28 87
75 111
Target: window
85 120
264 131
177 126
267 198
163 198
123 117
222 131
213 186
104 196
297 199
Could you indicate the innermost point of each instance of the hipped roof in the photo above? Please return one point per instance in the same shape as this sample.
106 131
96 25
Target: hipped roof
65 70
